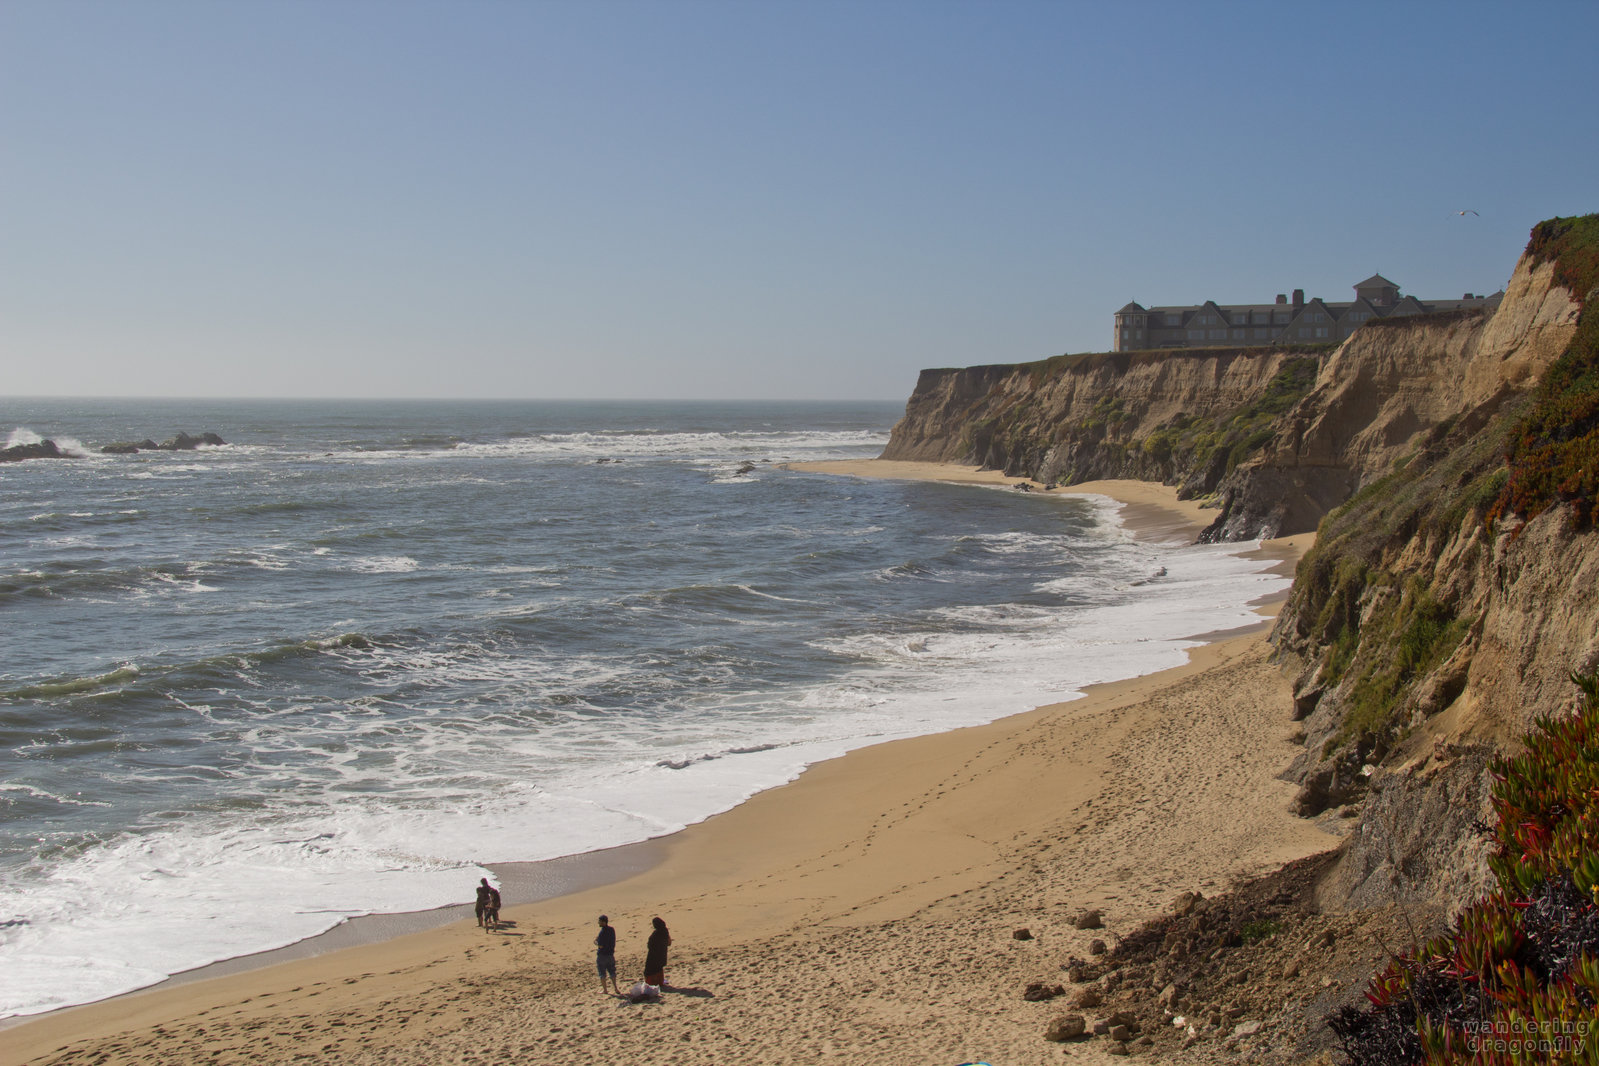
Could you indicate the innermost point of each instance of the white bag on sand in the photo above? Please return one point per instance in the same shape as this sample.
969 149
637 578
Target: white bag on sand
644 993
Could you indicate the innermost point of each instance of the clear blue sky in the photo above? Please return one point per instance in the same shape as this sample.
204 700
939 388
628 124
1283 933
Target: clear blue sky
724 199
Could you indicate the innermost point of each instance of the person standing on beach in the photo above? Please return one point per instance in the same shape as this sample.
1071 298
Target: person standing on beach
605 954
655 954
486 899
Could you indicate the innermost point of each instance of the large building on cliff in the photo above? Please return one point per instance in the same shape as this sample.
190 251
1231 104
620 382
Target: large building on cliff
1286 321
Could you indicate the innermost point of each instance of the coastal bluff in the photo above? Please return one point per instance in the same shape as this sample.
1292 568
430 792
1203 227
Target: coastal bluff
1278 437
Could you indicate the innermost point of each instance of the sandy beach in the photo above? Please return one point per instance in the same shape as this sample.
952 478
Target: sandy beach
865 913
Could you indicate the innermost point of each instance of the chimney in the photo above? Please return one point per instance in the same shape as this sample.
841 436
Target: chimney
1282 299
1299 297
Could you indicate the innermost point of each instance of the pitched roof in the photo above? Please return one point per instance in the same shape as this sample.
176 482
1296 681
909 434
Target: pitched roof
1376 280
1132 305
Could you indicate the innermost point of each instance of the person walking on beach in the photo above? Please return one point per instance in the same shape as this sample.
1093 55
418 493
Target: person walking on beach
655 954
492 919
488 902
605 954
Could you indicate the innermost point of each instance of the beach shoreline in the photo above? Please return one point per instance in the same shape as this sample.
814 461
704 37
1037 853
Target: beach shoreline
758 874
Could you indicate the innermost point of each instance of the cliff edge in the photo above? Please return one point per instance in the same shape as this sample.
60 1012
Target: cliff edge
1280 436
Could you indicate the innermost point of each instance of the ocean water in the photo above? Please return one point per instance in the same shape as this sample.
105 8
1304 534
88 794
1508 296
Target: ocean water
331 668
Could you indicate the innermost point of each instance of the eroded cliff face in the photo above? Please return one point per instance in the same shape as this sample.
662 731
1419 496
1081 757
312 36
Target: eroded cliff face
1383 390
1452 642
1447 605
1158 416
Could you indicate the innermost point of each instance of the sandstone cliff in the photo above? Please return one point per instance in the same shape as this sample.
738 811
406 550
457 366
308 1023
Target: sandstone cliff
1175 416
1384 389
1446 606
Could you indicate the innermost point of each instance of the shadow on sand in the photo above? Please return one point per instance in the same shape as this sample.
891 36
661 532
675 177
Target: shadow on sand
692 993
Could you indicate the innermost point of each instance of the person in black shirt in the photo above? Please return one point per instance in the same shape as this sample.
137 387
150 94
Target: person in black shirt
487 901
605 954
491 919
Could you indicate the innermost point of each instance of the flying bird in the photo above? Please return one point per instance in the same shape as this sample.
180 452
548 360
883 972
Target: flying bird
1468 211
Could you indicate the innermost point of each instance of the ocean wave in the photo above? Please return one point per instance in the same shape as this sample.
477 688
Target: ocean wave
75 686
733 597
770 446
21 788
383 564
905 570
101 517
163 679
98 573
1061 545
687 761
22 436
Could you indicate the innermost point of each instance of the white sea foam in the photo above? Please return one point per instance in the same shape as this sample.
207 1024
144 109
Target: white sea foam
164 584
623 445
125 916
384 564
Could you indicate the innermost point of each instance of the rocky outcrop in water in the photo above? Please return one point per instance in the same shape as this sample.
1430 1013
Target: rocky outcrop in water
181 443
45 449
49 449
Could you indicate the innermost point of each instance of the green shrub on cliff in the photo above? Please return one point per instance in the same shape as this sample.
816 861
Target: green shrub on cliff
1380 627
1517 978
1420 632
1553 454
1190 443
1019 430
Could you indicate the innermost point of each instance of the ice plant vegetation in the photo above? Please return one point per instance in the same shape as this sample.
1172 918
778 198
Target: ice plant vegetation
1517 978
